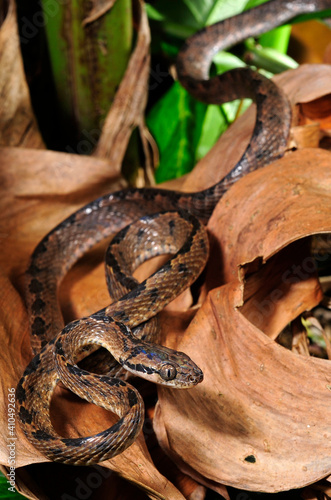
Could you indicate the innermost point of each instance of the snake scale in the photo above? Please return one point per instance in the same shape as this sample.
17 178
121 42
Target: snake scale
164 222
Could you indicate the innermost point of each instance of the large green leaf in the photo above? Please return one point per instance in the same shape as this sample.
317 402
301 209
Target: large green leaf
87 61
223 9
184 17
185 129
176 123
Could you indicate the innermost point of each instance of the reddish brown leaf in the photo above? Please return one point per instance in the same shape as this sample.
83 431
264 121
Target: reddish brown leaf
54 198
261 418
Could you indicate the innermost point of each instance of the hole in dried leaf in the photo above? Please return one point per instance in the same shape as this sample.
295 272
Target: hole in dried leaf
318 109
281 289
251 459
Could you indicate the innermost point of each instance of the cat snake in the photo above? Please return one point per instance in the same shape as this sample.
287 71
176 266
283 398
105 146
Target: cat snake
147 222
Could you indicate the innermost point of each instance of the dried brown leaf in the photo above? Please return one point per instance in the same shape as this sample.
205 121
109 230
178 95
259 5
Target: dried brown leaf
250 424
260 420
58 193
18 126
299 340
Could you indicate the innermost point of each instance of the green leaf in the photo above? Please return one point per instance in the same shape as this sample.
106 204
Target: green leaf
185 129
313 15
177 16
6 494
223 9
176 123
313 333
214 124
196 9
224 61
87 61
181 31
170 49
267 58
193 14
254 3
153 13
277 38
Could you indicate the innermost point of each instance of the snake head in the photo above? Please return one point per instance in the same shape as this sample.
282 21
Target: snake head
164 366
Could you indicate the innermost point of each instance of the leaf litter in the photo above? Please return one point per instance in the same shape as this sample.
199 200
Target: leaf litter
261 418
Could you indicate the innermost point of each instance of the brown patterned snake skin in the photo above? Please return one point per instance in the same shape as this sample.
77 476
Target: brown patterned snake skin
164 222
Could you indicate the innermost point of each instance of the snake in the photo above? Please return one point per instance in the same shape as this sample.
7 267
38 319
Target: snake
146 222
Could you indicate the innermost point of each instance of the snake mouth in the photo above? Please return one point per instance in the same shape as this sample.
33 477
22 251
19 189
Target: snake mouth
197 377
192 379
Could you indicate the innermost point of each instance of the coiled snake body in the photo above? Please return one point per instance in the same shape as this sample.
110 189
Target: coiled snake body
165 222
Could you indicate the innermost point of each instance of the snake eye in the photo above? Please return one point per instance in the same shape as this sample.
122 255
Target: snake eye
168 372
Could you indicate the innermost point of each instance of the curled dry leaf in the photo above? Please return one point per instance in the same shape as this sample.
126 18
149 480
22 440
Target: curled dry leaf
58 193
308 89
267 301
260 420
18 126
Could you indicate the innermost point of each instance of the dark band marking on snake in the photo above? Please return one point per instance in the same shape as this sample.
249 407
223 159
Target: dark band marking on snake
117 327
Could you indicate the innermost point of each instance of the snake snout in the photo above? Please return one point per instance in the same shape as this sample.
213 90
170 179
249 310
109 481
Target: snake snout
196 377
